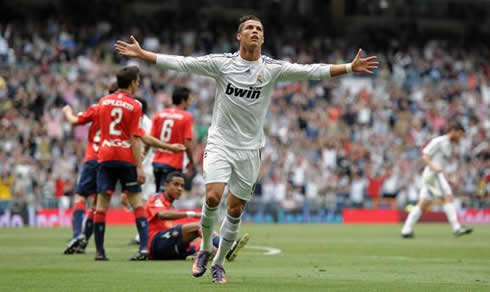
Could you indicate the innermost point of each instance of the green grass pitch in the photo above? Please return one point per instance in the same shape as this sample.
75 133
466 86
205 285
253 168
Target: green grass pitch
312 258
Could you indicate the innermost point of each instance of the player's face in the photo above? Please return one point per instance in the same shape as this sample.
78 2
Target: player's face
188 101
135 84
252 34
456 136
175 187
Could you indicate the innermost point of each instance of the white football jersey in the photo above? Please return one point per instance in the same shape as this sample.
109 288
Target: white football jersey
243 92
146 123
148 188
440 151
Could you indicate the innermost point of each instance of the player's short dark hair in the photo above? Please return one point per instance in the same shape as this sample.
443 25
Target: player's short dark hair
180 95
173 174
456 126
126 75
244 18
144 104
113 88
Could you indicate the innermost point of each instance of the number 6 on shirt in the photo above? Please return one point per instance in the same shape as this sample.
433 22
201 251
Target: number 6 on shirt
166 130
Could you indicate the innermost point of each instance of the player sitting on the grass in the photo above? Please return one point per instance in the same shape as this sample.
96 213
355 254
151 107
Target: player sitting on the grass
436 156
169 242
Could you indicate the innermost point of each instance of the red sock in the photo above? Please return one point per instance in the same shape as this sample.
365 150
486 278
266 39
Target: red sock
139 212
79 205
90 214
196 244
99 217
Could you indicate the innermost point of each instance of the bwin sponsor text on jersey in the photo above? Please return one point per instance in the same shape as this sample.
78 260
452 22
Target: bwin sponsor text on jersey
252 93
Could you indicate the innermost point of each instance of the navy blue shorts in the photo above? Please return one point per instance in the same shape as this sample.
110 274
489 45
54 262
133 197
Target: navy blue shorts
110 172
170 245
87 181
160 171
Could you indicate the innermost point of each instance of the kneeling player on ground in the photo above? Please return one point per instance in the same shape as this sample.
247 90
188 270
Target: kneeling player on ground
169 242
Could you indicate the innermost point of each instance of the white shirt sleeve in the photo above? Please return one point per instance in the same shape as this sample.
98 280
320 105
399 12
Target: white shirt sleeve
294 72
147 124
432 147
204 65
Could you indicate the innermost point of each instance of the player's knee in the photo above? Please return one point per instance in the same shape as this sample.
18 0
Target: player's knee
213 198
448 199
424 205
235 211
79 199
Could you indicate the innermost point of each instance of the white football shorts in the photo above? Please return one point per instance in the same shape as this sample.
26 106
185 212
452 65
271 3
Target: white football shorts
434 186
236 167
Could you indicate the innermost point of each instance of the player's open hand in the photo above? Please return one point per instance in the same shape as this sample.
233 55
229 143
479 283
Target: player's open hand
176 147
67 109
132 49
141 175
366 65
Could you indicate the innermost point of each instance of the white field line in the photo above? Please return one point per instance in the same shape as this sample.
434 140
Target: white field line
267 250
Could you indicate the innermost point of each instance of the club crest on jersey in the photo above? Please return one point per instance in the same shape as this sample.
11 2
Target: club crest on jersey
158 203
260 78
250 93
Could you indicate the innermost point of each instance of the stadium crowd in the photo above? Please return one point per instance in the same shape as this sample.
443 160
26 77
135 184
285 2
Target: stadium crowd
334 143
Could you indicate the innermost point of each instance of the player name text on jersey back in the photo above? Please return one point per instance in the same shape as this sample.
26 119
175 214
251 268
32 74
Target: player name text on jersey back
119 103
174 116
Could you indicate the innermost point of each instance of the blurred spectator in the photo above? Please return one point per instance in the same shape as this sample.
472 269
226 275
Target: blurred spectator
330 142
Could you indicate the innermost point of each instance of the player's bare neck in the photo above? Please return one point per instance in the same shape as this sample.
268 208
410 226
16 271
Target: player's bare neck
170 199
250 54
128 91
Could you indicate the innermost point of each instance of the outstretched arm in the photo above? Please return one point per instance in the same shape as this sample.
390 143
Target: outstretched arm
154 142
359 65
296 72
205 65
70 117
134 49
174 215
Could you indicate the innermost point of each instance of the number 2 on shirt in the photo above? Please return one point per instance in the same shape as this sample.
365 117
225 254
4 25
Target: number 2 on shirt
118 113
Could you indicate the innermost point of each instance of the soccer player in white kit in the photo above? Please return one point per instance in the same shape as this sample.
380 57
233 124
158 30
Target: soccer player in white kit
436 156
148 188
245 83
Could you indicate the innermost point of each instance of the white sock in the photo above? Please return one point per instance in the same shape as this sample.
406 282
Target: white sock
228 235
452 216
137 238
208 217
412 218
